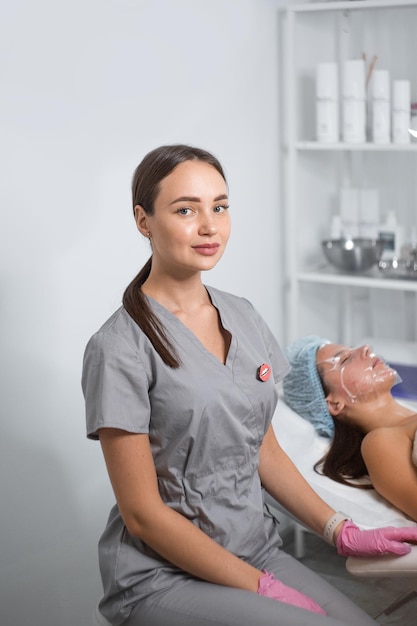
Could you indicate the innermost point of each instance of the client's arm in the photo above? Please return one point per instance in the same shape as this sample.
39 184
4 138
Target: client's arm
387 456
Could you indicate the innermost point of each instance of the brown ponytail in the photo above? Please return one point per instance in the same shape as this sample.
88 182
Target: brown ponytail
156 165
138 308
343 462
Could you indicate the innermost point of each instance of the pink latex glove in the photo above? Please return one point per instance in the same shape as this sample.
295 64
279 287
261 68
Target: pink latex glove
275 589
352 541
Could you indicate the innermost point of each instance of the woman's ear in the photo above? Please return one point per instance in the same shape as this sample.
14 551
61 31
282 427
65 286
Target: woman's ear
141 220
335 406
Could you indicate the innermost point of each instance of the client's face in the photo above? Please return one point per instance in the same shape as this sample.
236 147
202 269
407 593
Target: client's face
354 373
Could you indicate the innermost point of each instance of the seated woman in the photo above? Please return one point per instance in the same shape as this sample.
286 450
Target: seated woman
346 394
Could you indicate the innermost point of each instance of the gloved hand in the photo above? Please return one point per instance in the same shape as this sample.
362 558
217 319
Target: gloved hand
275 589
352 541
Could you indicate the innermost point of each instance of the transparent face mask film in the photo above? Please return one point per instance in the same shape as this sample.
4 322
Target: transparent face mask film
366 386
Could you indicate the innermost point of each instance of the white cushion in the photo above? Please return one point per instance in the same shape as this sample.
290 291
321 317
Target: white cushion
390 566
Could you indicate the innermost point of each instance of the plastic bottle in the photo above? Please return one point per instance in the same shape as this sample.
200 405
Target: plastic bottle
327 103
409 248
354 101
349 212
381 107
392 235
336 227
369 220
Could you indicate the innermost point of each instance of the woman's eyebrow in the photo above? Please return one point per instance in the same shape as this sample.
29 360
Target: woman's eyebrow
195 199
332 357
340 352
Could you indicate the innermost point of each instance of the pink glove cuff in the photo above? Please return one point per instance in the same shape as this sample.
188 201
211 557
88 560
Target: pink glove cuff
269 587
265 582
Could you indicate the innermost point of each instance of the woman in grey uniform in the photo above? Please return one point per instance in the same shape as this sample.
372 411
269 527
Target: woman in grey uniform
180 389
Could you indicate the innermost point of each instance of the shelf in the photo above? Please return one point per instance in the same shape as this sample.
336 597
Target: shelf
352 5
356 147
315 172
371 280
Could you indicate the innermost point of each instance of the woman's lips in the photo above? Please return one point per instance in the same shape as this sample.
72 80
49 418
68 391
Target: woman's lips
378 362
207 249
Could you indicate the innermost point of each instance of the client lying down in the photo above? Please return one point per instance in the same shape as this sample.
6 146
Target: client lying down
346 394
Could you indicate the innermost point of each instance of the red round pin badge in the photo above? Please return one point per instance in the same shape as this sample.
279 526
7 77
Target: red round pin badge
264 372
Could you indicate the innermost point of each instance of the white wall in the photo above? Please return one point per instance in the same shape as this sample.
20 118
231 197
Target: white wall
87 88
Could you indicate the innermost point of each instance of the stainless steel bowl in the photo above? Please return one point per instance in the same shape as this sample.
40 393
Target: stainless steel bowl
353 255
404 269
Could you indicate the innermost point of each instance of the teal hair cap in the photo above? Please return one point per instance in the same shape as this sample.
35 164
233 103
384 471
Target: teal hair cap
303 391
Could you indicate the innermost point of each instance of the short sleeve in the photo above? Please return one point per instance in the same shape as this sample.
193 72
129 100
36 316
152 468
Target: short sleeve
115 386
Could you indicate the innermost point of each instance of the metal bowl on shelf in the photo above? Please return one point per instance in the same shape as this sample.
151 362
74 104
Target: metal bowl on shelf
356 254
404 269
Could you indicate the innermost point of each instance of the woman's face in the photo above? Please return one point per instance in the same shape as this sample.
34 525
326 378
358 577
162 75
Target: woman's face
190 225
354 374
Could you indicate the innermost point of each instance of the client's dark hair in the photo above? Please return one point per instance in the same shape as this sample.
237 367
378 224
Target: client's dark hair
343 462
156 165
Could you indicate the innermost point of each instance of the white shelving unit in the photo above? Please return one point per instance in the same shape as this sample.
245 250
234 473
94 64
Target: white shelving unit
314 172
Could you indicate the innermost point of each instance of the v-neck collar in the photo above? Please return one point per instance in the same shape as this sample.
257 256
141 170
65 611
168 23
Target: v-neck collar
173 319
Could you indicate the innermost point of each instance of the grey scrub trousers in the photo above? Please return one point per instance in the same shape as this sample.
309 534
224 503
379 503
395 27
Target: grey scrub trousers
206 422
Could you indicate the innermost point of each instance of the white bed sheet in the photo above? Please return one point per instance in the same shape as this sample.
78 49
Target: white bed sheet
304 446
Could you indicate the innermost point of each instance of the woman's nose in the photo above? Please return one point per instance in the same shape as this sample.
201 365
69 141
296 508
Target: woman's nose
365 350
208 225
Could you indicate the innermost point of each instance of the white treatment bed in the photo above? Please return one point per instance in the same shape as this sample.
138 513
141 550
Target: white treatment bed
366 508
304 446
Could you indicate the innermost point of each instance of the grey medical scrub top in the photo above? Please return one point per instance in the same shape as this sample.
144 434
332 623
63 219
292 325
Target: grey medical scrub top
206 421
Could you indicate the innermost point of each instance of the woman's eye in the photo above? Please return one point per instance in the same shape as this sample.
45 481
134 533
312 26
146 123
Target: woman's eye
346 357
221 208
184 211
